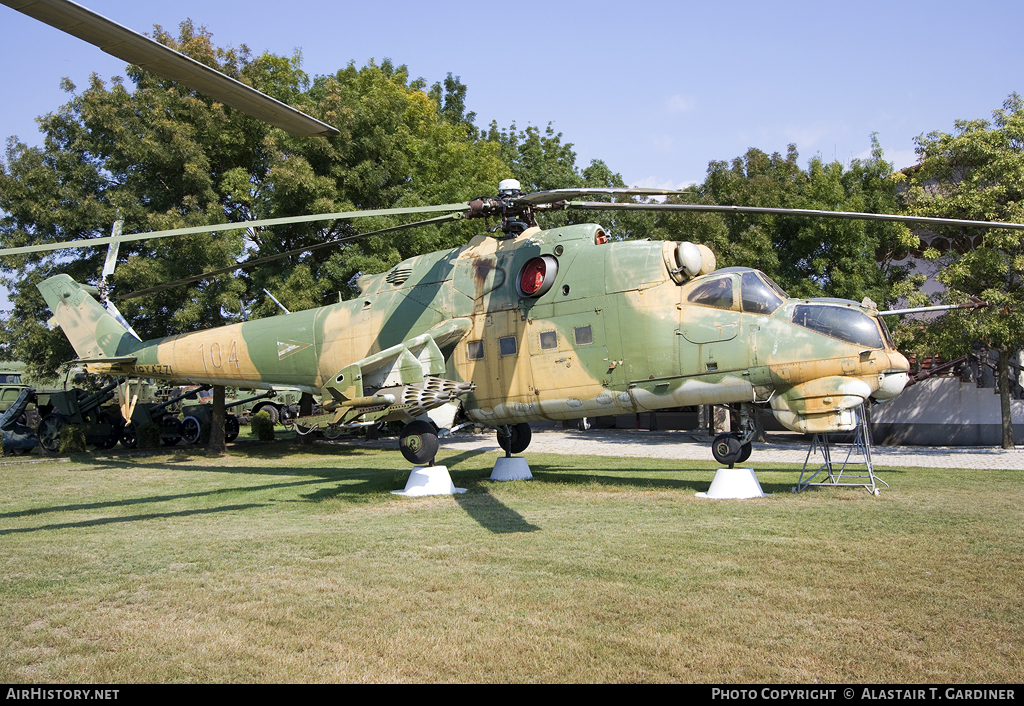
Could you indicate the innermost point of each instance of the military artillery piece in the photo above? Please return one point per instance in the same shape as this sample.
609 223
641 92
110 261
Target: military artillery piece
198 414
159 414
77 407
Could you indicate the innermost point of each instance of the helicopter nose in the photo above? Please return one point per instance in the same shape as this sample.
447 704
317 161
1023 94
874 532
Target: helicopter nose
898 362
890 385
892 382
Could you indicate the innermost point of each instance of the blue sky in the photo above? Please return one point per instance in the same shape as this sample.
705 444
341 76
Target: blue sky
656 90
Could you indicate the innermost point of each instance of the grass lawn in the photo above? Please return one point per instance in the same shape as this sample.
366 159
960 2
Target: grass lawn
275 564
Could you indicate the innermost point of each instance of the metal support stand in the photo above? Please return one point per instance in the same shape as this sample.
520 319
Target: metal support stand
835 477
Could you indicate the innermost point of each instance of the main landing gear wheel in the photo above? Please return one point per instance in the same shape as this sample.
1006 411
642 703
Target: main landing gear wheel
418 442
516 439
727 449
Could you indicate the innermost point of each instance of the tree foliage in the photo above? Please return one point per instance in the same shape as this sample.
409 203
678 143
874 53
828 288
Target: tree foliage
161 156
809 257
977 172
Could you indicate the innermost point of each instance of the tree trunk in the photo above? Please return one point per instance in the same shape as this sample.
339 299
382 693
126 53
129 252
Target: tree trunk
1004 397
217 420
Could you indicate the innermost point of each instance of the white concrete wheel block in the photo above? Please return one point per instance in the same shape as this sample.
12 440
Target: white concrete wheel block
429 480
735 484
511 468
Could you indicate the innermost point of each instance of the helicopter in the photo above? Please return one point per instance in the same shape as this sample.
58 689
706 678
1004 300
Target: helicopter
517 326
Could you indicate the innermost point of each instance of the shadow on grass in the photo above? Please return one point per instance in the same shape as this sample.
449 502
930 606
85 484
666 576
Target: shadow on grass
363 484
549 474
260 450
492 514
130 518
151 499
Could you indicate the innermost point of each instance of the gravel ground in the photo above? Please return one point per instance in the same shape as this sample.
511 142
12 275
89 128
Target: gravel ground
781 448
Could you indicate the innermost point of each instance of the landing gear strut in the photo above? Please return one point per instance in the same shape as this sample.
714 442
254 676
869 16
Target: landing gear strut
732 448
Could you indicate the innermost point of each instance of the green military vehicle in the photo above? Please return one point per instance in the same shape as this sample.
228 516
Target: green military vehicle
12 382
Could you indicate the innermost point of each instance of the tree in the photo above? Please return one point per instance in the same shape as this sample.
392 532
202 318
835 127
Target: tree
155 157
161 156
808 257
978 173
542 161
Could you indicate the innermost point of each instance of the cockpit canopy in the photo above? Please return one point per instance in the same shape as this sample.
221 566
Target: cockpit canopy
757 293
754 292
836 321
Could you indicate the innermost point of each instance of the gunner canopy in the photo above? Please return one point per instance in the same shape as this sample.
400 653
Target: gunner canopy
842 322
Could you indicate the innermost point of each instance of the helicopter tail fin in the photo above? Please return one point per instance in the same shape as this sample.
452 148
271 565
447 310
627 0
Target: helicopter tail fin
92 330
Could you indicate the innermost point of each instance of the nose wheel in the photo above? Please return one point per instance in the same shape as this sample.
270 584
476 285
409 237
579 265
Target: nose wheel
728 449
514 439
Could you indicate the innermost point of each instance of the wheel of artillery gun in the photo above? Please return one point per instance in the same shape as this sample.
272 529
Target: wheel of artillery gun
418 442
190 429
230 428
115 433
170 431
129 436
517 439
49 433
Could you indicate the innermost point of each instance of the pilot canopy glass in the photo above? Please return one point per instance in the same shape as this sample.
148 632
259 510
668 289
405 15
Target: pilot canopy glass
757 296
842 322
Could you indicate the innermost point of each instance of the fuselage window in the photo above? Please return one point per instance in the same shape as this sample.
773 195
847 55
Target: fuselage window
583 335
507 346
548 340
717 294
758 297
475 350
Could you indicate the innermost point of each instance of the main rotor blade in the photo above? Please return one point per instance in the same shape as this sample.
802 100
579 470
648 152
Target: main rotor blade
852 215
341 216
154 57
269 258
555 195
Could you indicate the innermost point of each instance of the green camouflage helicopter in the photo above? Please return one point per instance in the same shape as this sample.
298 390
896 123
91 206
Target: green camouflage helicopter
512 328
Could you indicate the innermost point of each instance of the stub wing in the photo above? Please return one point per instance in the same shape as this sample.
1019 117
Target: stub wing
400 383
